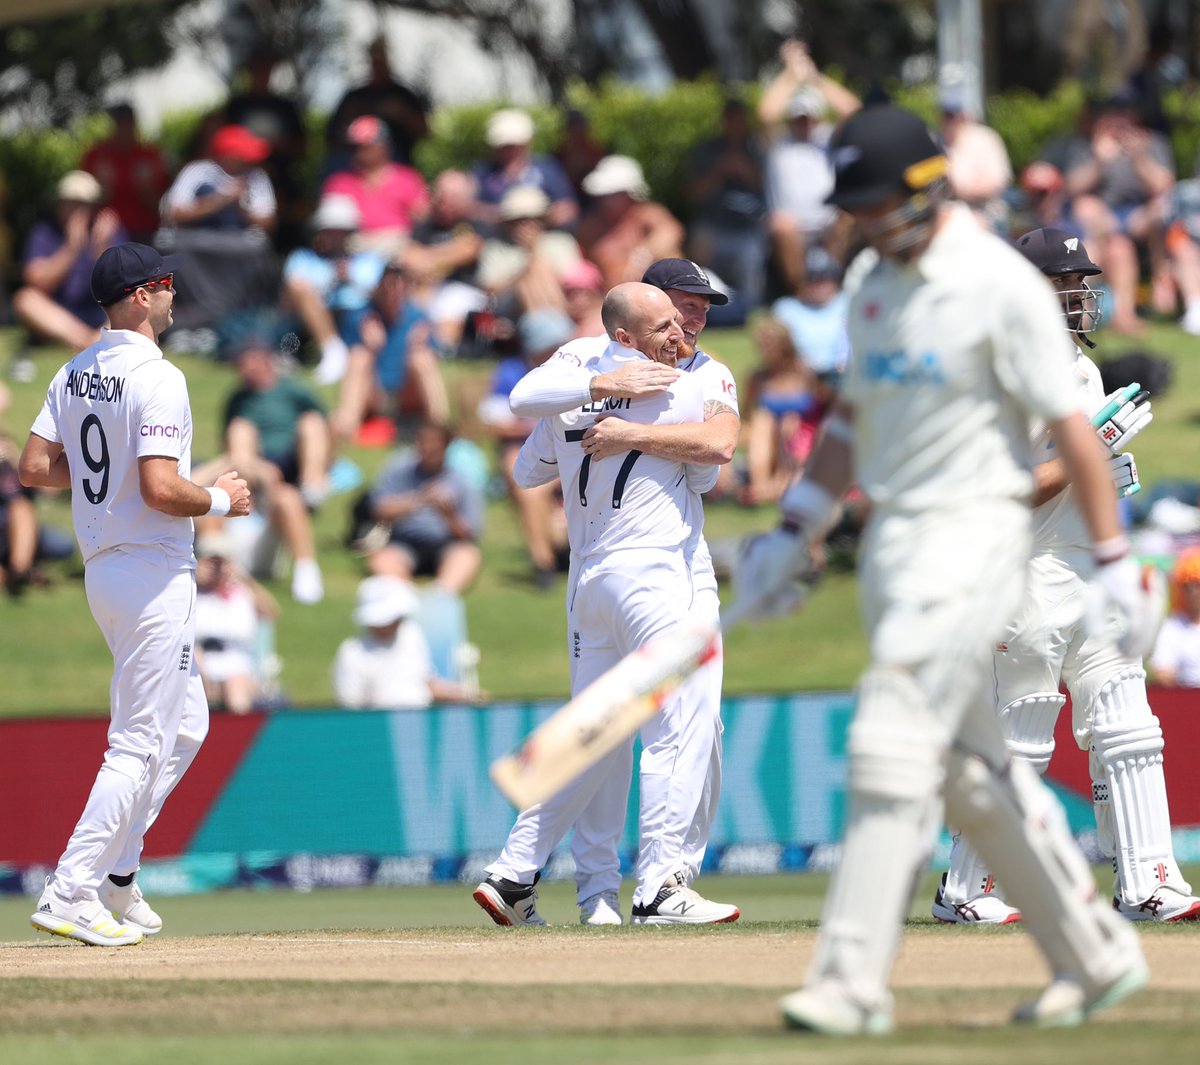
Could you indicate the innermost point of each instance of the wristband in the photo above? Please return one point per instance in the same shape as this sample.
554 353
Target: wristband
809 504
1111 550
220 502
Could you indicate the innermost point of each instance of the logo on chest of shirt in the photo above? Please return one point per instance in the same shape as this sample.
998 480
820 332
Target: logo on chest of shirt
903 368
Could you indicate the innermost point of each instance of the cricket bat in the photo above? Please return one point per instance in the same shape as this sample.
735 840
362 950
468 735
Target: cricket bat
607 712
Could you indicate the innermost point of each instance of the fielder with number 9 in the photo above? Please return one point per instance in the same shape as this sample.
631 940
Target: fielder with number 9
116 429
1046 644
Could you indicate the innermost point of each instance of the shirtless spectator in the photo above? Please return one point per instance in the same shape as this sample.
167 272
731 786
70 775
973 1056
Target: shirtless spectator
978 167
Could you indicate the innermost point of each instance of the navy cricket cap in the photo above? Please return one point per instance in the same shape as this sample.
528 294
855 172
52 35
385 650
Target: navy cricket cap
121 268
1056 252
880 151
684 275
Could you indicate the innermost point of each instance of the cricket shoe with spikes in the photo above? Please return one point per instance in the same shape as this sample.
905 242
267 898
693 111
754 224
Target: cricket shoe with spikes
86 920
982 909
601 909
1166 904
509 903
676 903
130 907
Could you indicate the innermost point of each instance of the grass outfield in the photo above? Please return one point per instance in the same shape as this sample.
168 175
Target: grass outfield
420 975
53 659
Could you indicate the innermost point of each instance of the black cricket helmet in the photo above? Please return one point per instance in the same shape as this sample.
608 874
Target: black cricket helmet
1057 254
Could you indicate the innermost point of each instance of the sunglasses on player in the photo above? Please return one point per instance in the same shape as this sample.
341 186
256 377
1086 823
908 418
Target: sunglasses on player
166 283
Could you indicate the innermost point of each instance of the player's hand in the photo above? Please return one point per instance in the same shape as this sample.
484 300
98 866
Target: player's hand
1125 603
1131 419
773 576
641 378
609 435
1124 474
239 493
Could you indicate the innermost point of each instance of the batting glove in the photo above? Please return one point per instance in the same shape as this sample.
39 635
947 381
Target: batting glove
1125 475
1130 420
1125 603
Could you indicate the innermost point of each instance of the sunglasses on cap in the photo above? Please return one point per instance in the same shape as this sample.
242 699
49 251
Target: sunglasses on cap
166 282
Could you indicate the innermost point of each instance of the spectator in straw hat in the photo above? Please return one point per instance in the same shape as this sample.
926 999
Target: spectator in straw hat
55 303
625 231
513 163
326 282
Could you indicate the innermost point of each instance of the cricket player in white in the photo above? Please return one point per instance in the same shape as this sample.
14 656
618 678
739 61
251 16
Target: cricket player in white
630 526
956 344
116 429
1046 644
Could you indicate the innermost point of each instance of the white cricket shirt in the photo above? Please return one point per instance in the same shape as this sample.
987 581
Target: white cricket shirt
625 501
952 357
114 403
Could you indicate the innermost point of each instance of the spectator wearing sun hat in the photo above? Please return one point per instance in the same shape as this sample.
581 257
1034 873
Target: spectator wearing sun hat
624 231
326 282
509 135
55 302
391 196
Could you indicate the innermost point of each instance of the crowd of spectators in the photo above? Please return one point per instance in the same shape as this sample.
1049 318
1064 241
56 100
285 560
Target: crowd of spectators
375 276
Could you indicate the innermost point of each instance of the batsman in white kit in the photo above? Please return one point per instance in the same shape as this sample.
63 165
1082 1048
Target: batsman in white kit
116 429
630 526
957 344
1046 644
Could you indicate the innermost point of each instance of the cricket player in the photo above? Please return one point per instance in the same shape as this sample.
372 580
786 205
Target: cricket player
116 429
1046 645
630 526
957 344
554 388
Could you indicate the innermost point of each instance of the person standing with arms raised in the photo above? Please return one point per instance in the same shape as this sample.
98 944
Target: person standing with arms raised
116 429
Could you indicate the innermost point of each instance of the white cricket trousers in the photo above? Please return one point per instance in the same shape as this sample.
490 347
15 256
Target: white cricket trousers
144 604
617 604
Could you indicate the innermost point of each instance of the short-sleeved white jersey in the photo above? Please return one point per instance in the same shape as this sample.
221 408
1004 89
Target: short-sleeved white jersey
953 355
114 403
625 501
1057 523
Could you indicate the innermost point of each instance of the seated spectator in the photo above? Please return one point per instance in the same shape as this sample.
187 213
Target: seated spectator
520 266
1120 182
18 526
1175 661
443 256
217 214
402 110
55 302
327 282
625 231
391 197
978 168
799 173
388 666
540 509
513 165
393 371
725 187
277 120
583 288
579 152
1045 194
132 173
276 436
230 608
433 514
1183 250
816 315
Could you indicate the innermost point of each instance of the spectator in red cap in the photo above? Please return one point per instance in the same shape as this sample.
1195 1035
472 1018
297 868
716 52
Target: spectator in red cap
228 190
391 197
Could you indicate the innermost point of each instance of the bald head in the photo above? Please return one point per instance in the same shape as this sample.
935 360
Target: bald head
642 317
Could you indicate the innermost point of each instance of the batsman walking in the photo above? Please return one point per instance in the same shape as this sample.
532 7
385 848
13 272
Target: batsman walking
116 429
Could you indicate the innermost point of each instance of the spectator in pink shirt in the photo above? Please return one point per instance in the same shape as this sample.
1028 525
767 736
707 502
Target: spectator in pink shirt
391 197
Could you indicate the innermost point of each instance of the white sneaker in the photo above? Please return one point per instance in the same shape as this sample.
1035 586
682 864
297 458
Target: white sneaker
335 357
509 903
676 903
604 908
828 1010
1065 1004
1166 904
1190 322
87 920
130 907
987 908
307 586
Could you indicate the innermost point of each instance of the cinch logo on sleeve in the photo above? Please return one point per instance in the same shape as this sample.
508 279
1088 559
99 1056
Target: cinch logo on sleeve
170 432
